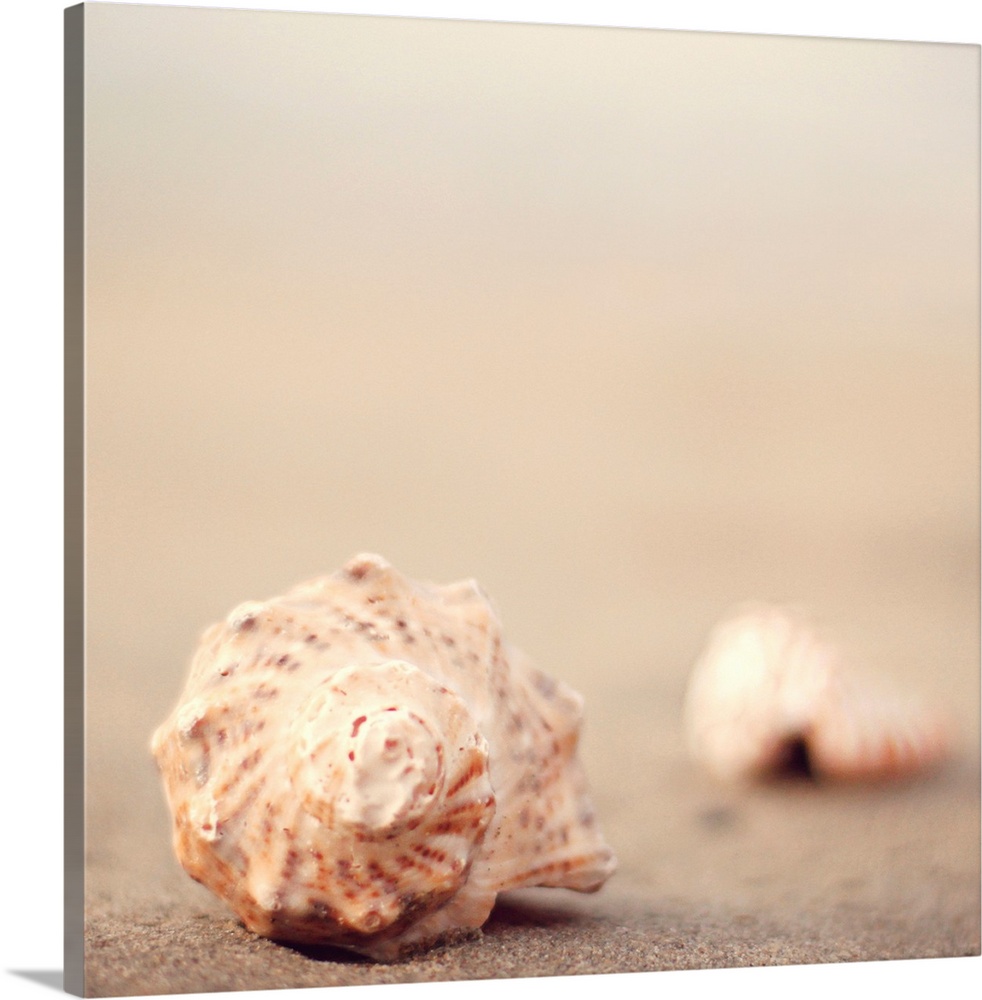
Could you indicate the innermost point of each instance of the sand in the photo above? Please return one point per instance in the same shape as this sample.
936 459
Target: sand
711 876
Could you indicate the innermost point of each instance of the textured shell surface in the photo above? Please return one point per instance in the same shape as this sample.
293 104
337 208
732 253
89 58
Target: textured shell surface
366 762
767 684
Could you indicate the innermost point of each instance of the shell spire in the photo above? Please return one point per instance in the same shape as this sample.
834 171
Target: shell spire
365 762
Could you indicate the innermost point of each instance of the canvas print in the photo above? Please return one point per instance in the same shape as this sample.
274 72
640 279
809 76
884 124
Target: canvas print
523 500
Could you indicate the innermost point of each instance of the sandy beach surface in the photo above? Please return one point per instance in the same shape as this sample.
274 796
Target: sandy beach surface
710 875
709 878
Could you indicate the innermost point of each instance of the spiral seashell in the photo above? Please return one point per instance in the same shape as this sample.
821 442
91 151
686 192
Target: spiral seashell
365 762
767 687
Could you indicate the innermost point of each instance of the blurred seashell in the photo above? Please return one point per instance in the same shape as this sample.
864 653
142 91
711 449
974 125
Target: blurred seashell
365 762
767 689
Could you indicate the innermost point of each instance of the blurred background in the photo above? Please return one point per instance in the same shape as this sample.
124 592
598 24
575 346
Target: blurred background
629 325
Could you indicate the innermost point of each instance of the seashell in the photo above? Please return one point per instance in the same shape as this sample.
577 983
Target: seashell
767 688
365 762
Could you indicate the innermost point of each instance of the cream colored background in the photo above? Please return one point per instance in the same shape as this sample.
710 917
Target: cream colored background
628 325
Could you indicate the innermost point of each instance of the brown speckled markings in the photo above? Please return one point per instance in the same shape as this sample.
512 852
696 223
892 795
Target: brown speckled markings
365 762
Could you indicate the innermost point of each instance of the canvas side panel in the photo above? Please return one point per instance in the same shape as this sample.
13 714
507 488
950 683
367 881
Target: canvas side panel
74 278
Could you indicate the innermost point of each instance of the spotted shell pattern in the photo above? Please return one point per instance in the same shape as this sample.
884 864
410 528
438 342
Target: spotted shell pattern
365 762
767 683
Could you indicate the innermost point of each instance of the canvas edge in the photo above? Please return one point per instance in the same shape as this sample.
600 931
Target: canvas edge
74 497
